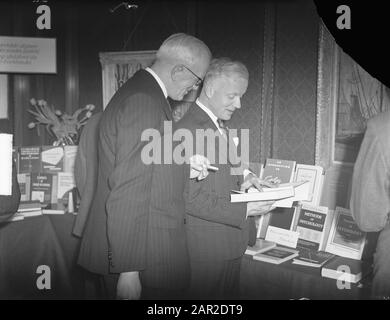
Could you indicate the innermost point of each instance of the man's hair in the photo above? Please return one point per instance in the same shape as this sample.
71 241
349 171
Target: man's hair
225 67
183 48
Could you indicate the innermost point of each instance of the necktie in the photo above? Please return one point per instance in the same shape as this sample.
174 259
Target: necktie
222 126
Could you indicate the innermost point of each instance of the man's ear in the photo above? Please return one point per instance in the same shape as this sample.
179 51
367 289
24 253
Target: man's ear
176 72
209 90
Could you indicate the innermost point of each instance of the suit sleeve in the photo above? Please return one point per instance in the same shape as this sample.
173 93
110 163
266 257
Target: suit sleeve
130 185
370 197
204 203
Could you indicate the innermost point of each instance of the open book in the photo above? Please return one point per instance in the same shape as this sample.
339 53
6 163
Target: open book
283 191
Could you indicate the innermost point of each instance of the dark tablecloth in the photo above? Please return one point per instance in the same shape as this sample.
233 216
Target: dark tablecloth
262 280
43 240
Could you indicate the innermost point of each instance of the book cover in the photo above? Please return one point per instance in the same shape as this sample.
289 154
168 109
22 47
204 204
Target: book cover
315 177
345 238
312 258
283 218
266 194
281 169
24 182
345 269
52 159
311 227
69 158
276 255
262 225
29 159
261 245
66 185
43 187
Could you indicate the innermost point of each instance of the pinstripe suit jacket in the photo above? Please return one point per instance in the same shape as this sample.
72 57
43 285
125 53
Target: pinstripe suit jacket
216 228
136 222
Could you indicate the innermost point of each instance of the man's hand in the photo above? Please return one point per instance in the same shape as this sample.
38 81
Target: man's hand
251 180
129 286
257 208
199 167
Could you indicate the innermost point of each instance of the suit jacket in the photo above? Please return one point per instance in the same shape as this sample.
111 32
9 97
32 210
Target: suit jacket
216 228
136 222
370 197
86 171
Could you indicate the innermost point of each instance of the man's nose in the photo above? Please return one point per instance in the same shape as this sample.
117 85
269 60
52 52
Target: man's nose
237 103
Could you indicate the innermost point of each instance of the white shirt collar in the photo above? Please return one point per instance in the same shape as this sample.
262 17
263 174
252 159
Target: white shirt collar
161 84
210 113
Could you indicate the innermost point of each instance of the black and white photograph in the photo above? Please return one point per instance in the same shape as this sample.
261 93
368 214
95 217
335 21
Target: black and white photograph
187 151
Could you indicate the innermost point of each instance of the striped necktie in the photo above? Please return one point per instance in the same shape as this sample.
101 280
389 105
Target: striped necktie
222 127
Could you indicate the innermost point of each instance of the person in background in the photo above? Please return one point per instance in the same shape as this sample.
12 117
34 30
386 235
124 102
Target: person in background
9 204
218 230
370 196
131 237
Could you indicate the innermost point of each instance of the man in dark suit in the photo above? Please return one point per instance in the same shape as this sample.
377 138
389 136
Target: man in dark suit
217 230
135 230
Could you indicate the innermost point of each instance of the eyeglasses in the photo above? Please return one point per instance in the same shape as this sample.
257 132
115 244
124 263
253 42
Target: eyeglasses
199 79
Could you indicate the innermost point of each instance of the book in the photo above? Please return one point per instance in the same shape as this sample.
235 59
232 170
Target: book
262 225
345 238
69 158
311 225
266 194
311 258
29 159
44 187
6 164
261 245
315 177
281 169
16 217
301 194
52 159
345 269
24 182
276 255
54 208
283 218
30 208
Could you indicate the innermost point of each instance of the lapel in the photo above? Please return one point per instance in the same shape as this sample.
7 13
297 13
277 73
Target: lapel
203 119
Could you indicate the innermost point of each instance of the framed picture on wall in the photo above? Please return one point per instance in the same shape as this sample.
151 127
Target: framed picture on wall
117 67
347 96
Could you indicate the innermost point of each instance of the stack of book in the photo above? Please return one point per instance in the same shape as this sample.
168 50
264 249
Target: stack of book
46 175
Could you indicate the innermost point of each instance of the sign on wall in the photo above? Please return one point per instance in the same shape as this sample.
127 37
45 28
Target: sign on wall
27 55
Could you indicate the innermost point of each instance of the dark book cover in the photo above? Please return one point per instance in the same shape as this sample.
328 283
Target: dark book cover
314 257
42 187
282 218
348 233
281 169
310 225
52 159
29 159
278 253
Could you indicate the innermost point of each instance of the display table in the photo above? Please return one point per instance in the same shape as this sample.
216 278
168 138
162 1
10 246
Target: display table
262 280
39 241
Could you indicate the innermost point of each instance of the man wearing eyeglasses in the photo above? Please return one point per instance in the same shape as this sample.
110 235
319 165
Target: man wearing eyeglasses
134 235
